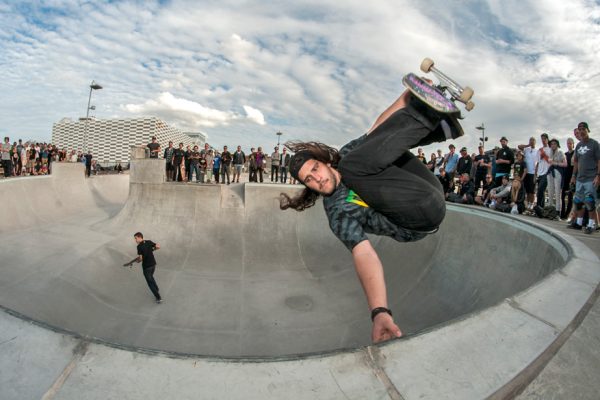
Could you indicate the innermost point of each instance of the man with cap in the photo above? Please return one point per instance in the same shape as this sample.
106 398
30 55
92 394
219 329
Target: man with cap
586 177
374 184
542 168
505 158
464 163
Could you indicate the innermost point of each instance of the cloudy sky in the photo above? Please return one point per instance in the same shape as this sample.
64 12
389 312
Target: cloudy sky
315 70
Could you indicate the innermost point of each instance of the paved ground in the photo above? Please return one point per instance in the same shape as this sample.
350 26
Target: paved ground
285 285
573 372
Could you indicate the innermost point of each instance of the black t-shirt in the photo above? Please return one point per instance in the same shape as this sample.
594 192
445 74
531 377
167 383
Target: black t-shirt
464 165
146 249
178 155
226 158
88 160
194 157
486 160
153 149
445 181
505 153
520 167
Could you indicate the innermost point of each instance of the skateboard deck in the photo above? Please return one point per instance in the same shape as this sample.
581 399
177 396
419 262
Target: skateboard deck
429 94
443 96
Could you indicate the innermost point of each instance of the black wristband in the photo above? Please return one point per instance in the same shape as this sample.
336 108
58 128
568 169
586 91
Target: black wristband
379 310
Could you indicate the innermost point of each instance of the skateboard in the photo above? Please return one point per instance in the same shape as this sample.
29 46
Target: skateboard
441 97
130 263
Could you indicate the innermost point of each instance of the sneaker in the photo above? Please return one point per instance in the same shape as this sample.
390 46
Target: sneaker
158 301
588 229
574 225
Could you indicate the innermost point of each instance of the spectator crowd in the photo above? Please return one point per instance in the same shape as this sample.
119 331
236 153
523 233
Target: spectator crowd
211 165
536 180
32 158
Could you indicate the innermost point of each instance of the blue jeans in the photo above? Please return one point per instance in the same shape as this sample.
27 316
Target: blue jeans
194 168
283 171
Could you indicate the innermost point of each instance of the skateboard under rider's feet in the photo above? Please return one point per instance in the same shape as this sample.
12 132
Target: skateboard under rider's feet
440 97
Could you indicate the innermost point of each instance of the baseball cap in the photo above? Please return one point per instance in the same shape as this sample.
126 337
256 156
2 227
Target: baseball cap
584 125
544 135
463 149
503 138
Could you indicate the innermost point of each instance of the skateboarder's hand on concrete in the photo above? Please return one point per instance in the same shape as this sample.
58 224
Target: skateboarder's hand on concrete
384 328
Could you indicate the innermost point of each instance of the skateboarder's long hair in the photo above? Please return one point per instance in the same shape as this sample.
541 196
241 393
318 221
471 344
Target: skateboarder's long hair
320 152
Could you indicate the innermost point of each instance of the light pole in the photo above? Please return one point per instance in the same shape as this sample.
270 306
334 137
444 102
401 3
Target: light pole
279 133
483 138
93 86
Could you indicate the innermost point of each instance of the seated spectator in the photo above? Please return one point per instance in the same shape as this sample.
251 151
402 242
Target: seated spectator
445 181
501 194
466 192
488 185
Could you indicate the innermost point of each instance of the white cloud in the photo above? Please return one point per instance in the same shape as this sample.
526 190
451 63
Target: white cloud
311 69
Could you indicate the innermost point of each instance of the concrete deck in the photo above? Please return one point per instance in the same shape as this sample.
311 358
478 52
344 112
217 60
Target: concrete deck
265 304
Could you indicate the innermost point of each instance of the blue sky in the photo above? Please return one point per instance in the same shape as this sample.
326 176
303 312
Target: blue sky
316 70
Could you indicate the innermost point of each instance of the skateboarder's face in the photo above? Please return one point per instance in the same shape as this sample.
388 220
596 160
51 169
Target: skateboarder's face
319 177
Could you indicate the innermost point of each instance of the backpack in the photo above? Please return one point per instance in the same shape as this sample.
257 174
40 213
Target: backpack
548 212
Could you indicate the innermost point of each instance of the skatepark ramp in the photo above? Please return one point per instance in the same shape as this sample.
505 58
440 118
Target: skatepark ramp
240 277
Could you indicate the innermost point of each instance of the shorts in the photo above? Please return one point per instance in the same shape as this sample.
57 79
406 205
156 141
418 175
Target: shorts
529 183
584 190
238 168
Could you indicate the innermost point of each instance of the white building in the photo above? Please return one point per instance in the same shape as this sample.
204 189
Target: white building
110 140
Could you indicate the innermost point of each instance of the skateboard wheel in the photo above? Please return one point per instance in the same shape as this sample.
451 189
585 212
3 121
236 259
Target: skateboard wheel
426 65
466 94
469 105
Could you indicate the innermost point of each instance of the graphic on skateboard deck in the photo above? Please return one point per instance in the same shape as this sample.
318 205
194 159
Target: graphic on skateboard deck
440 97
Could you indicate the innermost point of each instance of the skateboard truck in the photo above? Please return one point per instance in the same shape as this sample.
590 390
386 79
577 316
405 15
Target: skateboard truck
462 94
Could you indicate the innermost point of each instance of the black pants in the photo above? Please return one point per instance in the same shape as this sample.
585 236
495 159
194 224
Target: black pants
259 175
566 198
389 178
541 190
7 166
275 173
88 170
479 178
149 275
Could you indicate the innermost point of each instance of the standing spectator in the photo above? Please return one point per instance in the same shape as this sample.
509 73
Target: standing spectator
260 163
466 193
168 156
217 166
275 164
210 158
153 147
566 196
205 150
451 162
14 155
23 160
464 163
586 177
194 157
431 164
558 162
186 157
504 160
252 168
531 156
421 155
543 165
178 163
202 165
284 162
88 163
225 164
6 161
482 167
19 165
239 159
439 162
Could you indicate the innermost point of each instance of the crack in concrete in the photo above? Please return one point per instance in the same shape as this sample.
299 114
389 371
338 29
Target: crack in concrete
374 360
78 352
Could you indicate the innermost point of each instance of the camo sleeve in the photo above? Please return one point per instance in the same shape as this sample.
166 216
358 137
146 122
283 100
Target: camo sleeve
347 228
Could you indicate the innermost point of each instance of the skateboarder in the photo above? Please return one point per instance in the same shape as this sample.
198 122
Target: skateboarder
145 250
374 184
